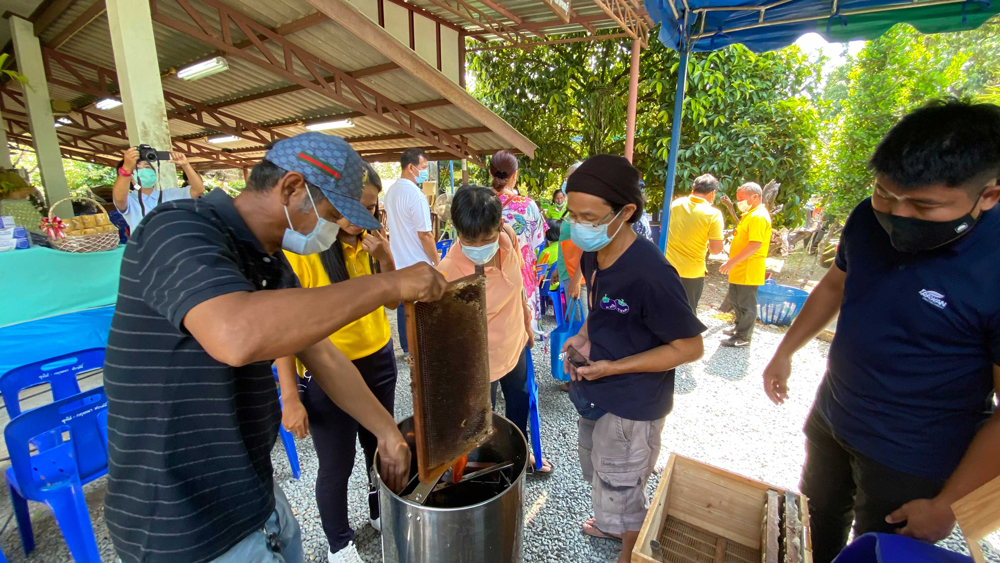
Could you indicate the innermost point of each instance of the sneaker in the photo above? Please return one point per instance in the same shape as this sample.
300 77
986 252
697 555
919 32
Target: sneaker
376 523
736 342
348 554
731 331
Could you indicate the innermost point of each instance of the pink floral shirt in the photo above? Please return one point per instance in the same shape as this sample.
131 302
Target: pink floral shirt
524 216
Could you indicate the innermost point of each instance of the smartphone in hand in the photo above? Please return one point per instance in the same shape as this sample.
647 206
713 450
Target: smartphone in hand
576 358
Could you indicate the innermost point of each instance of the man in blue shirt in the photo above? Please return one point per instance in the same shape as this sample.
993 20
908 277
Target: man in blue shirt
904 422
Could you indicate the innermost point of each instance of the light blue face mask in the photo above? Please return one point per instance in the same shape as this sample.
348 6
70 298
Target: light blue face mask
146 177
422 176
481 254
591 238
563 186
322 237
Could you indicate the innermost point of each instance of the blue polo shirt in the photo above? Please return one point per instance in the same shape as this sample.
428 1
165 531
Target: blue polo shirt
910 378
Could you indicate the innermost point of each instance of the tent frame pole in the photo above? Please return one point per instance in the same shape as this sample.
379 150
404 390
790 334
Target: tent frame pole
675 141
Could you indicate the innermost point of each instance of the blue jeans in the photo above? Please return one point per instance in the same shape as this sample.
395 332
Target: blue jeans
279 542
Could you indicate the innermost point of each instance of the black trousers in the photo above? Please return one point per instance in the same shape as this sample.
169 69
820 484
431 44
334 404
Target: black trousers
334 432
744 301
844 485
515 393
401 327
693 288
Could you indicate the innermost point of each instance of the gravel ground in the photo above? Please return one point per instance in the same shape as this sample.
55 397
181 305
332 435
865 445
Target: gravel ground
721 416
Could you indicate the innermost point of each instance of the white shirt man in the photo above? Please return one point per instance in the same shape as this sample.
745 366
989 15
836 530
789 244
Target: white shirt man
408 214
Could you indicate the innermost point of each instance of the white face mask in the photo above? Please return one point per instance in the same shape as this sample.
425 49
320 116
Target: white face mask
481 254
322 237
743 206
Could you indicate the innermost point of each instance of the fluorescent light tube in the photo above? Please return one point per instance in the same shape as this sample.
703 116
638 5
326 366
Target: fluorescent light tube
107 103
223 139
203 69
335 124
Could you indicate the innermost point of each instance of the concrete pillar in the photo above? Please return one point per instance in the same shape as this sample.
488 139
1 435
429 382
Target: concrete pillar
139 80
4 150
28 52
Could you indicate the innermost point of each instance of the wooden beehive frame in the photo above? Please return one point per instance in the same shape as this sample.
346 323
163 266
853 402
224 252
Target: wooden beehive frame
719 502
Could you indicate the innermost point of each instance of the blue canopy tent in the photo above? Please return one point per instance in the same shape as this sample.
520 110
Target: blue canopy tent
764 25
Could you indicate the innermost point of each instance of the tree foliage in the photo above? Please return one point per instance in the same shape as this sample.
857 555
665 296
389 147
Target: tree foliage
747 116
891 76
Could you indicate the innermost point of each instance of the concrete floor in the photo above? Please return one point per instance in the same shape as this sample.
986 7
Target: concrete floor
721 416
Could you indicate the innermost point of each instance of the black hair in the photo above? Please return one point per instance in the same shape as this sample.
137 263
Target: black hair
948 142
333 258
705 184
476 211
557 192
264 176
552 235
412 156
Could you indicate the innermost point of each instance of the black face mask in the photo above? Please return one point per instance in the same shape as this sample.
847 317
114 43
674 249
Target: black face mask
908 234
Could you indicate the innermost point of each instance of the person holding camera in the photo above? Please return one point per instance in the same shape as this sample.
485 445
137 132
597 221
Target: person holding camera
141 172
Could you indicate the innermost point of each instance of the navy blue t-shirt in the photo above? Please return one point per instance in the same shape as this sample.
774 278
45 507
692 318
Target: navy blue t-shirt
636 305
910 376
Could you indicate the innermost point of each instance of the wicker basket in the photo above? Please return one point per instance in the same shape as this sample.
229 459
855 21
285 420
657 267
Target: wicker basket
92 242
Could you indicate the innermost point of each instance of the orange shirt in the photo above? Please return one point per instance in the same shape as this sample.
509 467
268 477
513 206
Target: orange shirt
506 332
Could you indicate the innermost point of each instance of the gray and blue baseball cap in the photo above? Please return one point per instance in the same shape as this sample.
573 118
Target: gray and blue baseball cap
330 164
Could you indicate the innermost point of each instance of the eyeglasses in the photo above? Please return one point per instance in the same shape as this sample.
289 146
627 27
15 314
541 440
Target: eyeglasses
597 224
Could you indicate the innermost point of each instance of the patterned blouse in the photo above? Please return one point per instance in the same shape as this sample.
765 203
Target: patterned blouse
523 215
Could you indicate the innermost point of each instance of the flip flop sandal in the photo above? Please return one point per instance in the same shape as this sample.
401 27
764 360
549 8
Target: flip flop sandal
533 471
603 536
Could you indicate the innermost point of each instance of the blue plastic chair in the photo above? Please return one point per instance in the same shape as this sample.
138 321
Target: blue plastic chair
287 439
443 246
60 372
55 475
534 419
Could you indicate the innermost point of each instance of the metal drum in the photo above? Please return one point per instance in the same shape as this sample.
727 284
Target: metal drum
472 522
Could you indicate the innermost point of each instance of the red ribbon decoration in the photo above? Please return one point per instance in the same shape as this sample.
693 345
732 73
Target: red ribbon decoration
53 227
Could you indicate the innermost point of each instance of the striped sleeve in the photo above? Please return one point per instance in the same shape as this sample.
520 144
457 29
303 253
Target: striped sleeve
185 260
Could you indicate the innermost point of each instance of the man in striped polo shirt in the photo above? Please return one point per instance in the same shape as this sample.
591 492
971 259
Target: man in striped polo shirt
202 311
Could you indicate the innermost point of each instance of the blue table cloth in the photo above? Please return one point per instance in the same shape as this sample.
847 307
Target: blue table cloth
42 339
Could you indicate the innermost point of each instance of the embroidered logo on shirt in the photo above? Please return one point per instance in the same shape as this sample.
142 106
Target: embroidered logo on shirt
934 298
616 305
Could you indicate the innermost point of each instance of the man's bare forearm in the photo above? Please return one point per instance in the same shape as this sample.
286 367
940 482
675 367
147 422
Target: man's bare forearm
980 464
342 382
662 358
430 249
820 309
245 327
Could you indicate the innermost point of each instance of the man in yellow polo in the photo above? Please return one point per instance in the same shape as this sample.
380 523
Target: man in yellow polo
694 225
746 263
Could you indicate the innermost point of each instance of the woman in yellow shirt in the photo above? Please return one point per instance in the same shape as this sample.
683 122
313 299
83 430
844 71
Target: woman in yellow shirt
366 342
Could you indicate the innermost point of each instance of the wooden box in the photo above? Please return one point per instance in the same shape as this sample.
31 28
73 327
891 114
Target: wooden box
703 514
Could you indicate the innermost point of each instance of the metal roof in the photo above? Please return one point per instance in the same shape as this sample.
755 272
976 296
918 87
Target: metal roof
84 51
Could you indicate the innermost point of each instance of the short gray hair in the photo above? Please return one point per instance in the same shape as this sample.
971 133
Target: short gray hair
317 197
752 188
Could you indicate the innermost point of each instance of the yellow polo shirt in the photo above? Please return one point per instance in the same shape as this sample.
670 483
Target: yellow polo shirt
693 222
755 226
362 337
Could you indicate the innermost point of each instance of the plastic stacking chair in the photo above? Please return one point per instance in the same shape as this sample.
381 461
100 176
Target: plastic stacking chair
287 439
534 420
60 372
443 246
55 475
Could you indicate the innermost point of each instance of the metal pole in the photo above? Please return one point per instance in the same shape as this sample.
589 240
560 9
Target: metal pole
633 95
675 140
451 172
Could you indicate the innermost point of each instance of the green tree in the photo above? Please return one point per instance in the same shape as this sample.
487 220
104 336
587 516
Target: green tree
747 116
894 74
